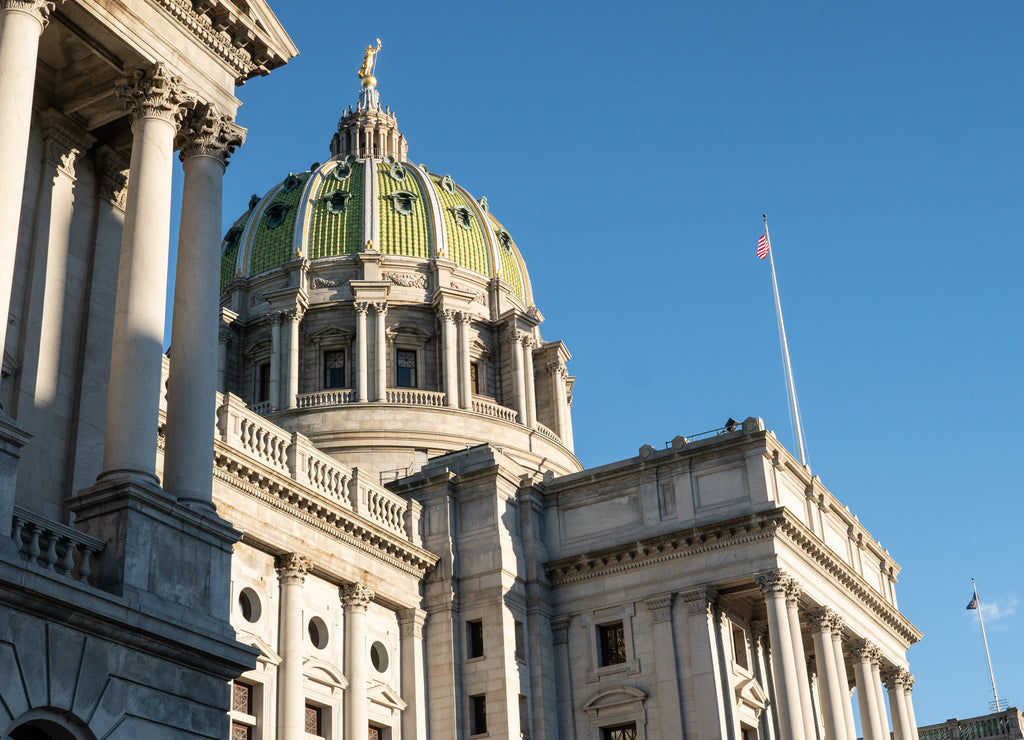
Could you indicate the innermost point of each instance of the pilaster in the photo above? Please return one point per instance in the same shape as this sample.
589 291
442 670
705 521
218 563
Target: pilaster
705 669
670 716
414 718
563 676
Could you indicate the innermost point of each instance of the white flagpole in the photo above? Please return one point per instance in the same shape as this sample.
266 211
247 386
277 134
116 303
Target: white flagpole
790 387
991 674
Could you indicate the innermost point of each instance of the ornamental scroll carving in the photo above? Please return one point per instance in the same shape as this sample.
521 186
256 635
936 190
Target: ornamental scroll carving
356 596
319 281
155 93
774 583
208 133
65 143
406 280
292 568
897 678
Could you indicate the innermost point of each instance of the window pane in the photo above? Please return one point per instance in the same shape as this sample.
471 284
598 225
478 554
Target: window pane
240 731
262 382
620 732
312 720
475 639
334 369
612 643
406 361
474 378
241 698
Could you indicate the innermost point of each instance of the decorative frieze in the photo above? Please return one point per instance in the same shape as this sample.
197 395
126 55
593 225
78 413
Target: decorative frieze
208 133
406 280
155 93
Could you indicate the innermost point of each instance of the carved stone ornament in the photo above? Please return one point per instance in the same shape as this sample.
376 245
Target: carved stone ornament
64 144
155 93
381 307
824 619
208 133
293 567
294 314
113 178
793 593
867 651
40 8
406 280
661 607
773 583
361 307
896 678
410 623
446 314
356 596
698 601
215 37
560 629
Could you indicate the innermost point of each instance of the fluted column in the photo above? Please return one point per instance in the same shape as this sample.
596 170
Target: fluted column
844 681
793 611
775 587
515 346
466 381
823 621
291 574
867 698
276 350
224 340
558 372
207 139
356 599
293 317
361 307
157 101
381 308
451 389
21 24
531 381
414 718
895 682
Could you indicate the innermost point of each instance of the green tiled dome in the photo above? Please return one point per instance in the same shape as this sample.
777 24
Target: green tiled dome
333 209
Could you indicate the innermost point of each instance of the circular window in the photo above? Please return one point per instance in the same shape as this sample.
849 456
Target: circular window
249 605
318 633
379 657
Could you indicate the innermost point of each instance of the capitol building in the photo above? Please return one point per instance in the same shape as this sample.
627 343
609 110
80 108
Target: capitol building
345 504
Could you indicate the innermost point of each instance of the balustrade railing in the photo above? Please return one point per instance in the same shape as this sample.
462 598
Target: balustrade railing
548 433
415 397
387 509
1005 725
54 546
490 408
324 398
247 431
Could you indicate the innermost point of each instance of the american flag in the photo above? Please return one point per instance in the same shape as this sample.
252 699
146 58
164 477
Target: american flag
763 246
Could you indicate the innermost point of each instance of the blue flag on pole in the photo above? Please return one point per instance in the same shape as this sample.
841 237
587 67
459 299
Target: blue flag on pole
974 602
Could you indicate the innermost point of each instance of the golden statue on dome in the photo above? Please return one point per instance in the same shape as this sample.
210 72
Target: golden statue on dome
369 62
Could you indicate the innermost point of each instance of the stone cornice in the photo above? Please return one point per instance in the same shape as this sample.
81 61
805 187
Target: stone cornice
305 505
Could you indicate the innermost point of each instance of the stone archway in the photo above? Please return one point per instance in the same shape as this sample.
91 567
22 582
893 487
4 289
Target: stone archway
45 724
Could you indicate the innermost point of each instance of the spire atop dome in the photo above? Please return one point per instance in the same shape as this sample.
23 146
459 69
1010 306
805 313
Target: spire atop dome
368 132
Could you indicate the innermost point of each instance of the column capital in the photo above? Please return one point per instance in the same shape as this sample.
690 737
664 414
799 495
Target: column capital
516 336
825 619
698 600
793 592
225 336
65 142
276 317
356 596
446 314
155 93
867 651
208 133
381 307
294 314
660 607
361 307
40 9
560 629
897 678
292 567
463 318
527 340
774 583
411 621
113 177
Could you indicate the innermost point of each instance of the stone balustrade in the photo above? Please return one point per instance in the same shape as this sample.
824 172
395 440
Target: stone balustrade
490 408
384 508
1006 725
415 397
245 430
548 433
324 398
55 547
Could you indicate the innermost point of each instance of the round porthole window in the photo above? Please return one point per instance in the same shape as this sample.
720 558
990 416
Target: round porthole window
379 657
318 633
249 605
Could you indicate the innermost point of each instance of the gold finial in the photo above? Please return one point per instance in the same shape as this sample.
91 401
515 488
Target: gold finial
369 246
369 62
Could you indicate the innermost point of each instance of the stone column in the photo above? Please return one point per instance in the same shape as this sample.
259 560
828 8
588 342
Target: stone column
293 317
844 681
207 140
356 599
768 725
895 682
793 611
775 586
276 319
466 380
670 710
558 372
382 353
224 341
515 345
157 101
563 677
361 307
823 621
451 388
908 690
531 381
291 720
414 718
867 700
876 686
21 24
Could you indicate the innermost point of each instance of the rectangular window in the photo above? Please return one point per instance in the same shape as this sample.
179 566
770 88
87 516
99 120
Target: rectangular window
474 378
524 716
240 731
334 369
241 698
619 732
520 642
739 647
475 639
262 390
611 643
243 722
376 733
477 715
314 720
405 362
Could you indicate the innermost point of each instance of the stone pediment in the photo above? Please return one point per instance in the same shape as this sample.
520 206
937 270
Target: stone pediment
614 696
380 693
332 335
749 694
267 656
324 673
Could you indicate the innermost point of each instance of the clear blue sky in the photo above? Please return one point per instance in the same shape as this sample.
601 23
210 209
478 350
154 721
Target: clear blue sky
631 148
